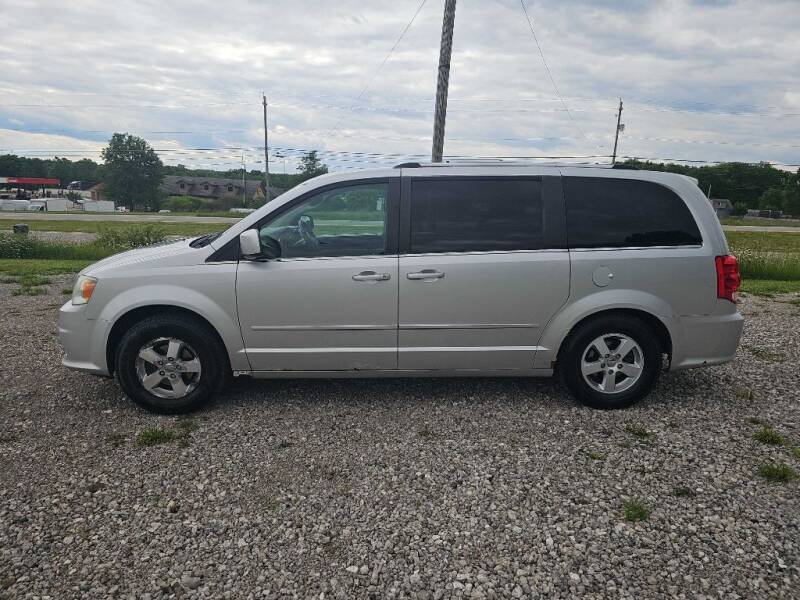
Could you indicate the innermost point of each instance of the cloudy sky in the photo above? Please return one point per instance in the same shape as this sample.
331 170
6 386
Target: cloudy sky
701 80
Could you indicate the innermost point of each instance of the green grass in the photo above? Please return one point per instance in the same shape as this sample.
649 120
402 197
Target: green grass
769 287
16 267
777 472
766 255
767 435
764 241
759 222
635 510
181 229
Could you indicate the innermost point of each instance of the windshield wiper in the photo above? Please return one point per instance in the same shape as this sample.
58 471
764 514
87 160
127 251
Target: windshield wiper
205 240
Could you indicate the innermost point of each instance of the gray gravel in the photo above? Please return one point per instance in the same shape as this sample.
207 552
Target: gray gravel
483 488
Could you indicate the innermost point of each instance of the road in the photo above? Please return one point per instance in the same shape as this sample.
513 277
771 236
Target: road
170 218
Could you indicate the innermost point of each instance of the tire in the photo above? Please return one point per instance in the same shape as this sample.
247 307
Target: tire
171 384
616 383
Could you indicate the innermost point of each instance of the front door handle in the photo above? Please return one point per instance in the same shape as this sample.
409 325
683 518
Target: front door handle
371 276
425 274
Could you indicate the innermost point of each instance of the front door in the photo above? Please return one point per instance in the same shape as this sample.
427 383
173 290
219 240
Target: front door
483 268
330 302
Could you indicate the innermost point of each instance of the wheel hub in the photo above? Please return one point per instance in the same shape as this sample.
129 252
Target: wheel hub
168 367
612 363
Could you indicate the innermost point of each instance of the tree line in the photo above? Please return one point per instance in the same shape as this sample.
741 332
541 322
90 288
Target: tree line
132 173
746 185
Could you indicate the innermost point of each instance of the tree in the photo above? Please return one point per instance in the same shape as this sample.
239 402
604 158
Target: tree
311 166
133 171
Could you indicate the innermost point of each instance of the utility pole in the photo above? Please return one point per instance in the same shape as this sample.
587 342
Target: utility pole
244 185
443 82
266 149
616 134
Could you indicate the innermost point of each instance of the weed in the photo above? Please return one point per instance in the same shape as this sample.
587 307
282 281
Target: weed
187 425
115 439
635 510
756 421
767 435
155 435
683 492
29 291
744 393
637 431
283 444
764 354
66 291
595 455
8 438
796 453
777 472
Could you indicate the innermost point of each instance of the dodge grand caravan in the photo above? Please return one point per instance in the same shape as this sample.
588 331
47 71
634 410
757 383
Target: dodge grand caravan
595 274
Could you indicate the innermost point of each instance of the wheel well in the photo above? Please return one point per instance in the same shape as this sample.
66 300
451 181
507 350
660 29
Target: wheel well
129 319
655 324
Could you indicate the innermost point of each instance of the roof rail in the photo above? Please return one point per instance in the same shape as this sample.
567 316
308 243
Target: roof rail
496 163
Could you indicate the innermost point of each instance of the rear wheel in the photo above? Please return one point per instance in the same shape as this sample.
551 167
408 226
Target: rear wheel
171 364
611 361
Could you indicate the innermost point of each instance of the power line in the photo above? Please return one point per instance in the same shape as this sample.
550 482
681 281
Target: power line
383 62
547 68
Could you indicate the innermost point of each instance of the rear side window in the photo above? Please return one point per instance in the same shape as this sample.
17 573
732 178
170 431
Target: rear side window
617 213
464 215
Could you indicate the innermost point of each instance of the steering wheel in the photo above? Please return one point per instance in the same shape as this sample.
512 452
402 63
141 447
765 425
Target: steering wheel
305 225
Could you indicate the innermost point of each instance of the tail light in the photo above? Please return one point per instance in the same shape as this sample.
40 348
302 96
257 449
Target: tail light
728 279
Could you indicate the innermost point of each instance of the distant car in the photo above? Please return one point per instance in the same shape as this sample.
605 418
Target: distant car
593 274
164 211
122 209
245 211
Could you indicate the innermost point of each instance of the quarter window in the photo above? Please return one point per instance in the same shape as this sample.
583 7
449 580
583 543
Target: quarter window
345 221
618 213
463 215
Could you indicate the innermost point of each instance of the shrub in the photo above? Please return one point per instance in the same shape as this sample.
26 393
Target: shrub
14 245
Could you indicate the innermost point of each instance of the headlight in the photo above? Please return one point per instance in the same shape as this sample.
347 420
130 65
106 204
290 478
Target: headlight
83 290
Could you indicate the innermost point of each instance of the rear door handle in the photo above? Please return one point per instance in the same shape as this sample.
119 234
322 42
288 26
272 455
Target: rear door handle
425 274
371 276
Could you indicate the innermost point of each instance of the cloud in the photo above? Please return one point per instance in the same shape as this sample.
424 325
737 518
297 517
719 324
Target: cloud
700 80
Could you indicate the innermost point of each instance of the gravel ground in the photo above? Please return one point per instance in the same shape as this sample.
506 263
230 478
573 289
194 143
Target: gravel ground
481 488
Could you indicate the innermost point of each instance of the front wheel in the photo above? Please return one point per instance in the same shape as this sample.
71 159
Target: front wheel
171 364
611 362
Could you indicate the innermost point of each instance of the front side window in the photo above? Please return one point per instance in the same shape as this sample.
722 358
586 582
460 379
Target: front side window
469 215
345 221
618 213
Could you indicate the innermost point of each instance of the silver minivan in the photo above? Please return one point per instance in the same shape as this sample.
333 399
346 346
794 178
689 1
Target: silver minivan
595 274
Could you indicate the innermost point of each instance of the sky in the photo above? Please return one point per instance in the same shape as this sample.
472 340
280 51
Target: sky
711 80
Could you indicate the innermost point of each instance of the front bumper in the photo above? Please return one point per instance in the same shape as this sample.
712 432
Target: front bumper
707 340
83 340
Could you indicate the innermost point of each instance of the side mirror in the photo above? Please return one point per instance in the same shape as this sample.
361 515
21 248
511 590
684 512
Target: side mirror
253 247
250 244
